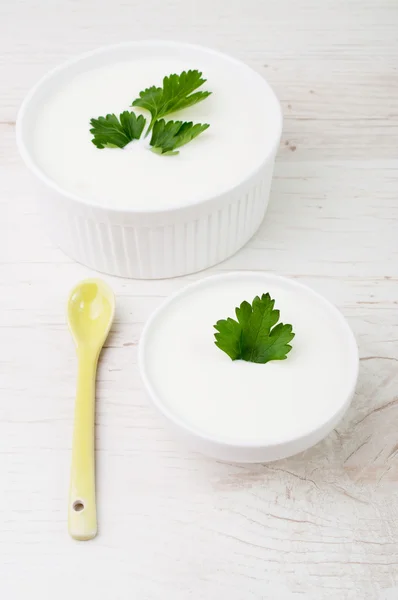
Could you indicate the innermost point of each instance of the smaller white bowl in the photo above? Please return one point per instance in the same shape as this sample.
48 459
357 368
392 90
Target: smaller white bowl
306 423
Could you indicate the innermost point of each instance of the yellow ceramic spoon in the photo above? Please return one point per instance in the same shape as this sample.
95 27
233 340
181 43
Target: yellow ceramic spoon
91 307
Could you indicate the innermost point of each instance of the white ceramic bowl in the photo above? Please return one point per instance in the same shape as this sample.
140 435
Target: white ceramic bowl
150 244
312 428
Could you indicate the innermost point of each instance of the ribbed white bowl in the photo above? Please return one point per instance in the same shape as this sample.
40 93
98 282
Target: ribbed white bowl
153 244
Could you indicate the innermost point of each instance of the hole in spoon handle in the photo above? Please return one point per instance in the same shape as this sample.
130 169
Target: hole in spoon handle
78 505
82 521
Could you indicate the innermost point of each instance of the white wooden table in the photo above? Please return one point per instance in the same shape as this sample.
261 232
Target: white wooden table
174 525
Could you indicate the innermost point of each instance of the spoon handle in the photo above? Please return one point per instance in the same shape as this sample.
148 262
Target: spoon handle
82 513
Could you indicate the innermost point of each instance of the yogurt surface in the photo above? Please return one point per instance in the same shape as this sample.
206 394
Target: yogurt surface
242 401
242 111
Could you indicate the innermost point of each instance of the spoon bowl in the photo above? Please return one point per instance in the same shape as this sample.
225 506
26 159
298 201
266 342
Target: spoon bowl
91 308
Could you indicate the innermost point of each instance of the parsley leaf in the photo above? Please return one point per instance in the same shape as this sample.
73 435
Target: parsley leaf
253 336
175 94
167 137
113 132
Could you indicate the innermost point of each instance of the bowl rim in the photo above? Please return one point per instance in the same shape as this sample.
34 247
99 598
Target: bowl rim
75 198
242 444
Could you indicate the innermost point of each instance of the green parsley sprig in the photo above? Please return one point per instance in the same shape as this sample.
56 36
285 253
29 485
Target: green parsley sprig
255 336
177 93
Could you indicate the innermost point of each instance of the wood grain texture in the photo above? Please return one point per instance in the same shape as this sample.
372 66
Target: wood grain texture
173 525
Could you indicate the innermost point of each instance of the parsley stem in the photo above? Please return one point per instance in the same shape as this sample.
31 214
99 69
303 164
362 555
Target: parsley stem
150 126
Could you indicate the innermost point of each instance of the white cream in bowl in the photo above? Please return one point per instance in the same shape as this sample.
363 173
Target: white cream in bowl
243 411
243 125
